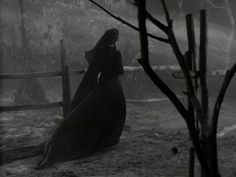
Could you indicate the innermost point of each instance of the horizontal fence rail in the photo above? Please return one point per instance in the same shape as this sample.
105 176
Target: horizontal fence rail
176 71
29 75
30 107
37 74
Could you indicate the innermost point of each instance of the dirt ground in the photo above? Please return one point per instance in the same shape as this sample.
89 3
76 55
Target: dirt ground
152 130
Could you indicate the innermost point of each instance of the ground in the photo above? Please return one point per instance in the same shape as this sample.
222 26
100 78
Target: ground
152 130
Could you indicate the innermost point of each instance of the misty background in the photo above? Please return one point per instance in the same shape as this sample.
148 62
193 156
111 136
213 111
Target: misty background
81 24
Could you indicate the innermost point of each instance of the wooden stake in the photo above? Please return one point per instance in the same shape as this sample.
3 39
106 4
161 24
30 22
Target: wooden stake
66 92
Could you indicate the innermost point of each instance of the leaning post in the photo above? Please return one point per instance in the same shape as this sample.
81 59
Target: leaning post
66 91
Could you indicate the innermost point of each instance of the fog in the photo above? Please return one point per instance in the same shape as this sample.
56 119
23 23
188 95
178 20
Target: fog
80 24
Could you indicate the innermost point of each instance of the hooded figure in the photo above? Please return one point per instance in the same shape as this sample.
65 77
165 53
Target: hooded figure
98 109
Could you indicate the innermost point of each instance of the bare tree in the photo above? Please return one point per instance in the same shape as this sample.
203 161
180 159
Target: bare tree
201 125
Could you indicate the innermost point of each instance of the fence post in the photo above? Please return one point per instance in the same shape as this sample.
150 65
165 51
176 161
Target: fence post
66 92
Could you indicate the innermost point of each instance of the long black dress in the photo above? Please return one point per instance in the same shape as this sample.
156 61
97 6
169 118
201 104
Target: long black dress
97 114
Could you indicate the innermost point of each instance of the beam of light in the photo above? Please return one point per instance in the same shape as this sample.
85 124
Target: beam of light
180 5
227 8
151 100
231 36
215 6
179 11
226 130
220 44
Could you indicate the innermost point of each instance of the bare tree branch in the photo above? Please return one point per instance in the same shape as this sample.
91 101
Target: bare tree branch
212 140
180 57
163 87
127 23
143 32
144 61
229 75
157 23
166 90
166 11
181 60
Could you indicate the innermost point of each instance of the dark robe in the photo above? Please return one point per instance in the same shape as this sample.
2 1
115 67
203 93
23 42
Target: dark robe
97 114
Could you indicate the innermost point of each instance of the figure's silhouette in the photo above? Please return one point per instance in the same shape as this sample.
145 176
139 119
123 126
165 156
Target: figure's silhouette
98 108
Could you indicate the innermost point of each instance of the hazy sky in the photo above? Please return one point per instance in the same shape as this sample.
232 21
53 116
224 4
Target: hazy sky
221 27
217 10
221 22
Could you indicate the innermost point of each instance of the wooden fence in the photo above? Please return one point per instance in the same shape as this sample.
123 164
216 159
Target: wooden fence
66 91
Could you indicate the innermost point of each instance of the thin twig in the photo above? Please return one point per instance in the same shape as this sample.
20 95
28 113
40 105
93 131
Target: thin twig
166 11
127 23
155 21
